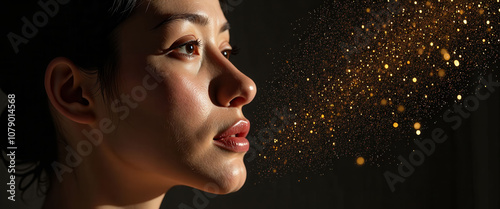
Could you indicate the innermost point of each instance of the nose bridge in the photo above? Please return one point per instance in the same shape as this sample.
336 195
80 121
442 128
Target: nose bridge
229 86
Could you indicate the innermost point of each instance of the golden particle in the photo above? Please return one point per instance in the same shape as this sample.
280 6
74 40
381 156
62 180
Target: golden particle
383 102
457 63
446 55
401 108
395 125
360 160
418 132
459 97
417 126
441 73
414 80
420 51
386 66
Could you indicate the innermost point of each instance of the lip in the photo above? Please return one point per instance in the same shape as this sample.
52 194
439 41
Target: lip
234 138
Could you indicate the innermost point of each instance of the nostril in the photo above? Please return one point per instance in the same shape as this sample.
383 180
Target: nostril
237 102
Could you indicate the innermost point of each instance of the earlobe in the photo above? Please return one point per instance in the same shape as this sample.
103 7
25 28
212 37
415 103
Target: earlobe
64 85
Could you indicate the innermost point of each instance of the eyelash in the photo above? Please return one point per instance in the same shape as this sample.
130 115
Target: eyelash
232 52
197 43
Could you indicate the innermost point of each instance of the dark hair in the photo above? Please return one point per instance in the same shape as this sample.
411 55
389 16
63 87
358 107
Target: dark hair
80 30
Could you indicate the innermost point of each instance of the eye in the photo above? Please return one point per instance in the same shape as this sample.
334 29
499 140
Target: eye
228 52
189 48
186 49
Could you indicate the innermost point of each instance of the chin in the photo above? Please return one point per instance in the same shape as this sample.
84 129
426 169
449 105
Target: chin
230 180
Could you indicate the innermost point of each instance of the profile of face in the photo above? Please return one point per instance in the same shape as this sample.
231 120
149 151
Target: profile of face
174 131
177 117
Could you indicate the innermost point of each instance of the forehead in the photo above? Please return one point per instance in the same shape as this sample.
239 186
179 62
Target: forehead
158 9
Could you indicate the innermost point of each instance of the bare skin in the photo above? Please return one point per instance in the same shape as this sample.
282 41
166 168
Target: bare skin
177 91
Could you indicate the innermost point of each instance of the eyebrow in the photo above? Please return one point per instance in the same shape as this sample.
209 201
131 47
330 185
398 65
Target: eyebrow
193 18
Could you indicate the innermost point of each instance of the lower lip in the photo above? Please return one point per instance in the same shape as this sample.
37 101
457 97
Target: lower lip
233 144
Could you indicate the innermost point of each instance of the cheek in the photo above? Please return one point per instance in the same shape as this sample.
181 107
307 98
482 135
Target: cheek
168 126
188 101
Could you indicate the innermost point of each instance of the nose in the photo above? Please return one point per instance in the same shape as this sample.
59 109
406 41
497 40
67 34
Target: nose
230 87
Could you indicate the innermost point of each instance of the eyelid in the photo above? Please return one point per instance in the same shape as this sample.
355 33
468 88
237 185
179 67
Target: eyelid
182 42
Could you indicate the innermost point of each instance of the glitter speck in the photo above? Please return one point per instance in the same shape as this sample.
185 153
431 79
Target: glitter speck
401 108
459 97
420 51
414 80
441 73
386 66
417 125
446 55
465 21
457 63
395 125
418 132
360 160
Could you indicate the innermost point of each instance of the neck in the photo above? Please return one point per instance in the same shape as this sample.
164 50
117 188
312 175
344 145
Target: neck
102 181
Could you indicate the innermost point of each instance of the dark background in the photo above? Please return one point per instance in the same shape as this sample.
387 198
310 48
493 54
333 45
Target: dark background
463 172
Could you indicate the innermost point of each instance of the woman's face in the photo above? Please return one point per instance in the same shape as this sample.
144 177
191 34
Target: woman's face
179 96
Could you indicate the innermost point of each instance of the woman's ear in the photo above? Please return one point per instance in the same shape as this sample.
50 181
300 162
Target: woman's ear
64 84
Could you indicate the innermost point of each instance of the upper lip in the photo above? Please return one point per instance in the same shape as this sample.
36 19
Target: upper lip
238 129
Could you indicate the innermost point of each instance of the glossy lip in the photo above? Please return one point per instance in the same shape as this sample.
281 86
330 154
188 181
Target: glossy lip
238 142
